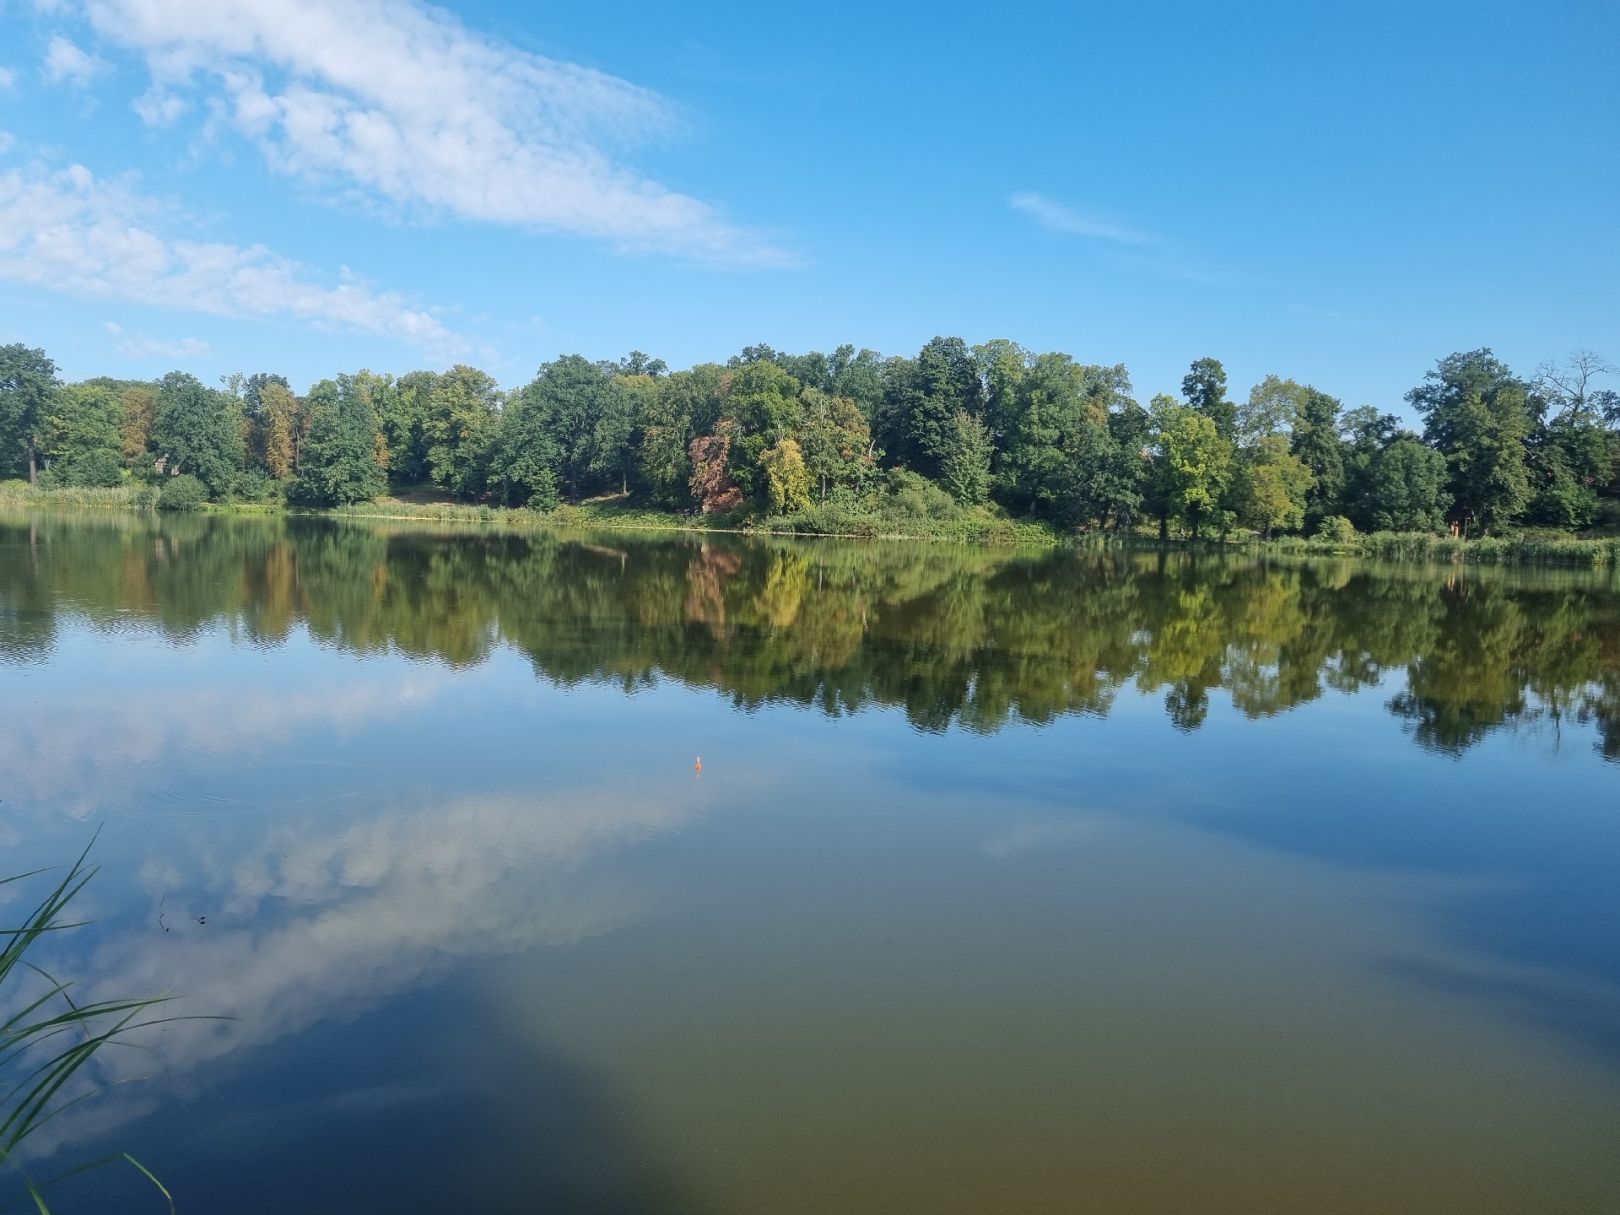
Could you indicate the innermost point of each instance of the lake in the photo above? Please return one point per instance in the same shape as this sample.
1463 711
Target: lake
647 872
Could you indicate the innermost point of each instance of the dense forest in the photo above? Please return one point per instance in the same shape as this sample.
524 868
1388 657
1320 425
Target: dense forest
993 428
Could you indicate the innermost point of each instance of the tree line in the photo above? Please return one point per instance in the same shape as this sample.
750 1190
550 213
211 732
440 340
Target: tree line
993 426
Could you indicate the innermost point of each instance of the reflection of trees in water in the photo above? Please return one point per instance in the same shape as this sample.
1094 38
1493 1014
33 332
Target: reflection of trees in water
952 636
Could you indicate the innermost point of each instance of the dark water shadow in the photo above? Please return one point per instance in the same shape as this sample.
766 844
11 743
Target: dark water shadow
352 1118
1589 1018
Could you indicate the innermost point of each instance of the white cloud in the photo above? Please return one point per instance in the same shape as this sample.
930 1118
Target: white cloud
6 142
8 78
65 63
70 231
158 108
405 102
135 346
1060 218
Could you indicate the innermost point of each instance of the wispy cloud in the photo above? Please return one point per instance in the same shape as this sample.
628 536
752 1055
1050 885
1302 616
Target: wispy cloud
135 346
405 103
8 78
69 231
1120 246
6 142
65 63
1061 218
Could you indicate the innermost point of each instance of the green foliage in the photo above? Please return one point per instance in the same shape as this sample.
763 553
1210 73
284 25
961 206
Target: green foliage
182 493
1041 436
1271 409
197 431
252 485
1273 486
342 459
787 482
837 442
1568 459
1193 464
965 470
98 468
126 497
54 1035
1204 389
917 424
564 408
1406 488
28 386
1477 415
1337 531
1315 440
523 458
83 421
461 412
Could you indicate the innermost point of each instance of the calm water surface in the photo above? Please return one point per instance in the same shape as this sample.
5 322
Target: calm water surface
1010 882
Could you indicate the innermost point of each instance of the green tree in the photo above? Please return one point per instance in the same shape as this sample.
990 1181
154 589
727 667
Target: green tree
1364 433
404 414
1571 456
1194 464
1315 440
1041 408
1406 488
836 440
618 434
638 364
457 427
1119 489
763 405
1204 389
1274 485
1476 413
28 384
787 481
917 422
197 430
965 471
339 463
858 376
1002 364
566 402
83 421
523 459
1273 405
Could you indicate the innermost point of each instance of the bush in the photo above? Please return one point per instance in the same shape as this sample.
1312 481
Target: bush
88 470
1338 530
912 496
183 493
251 485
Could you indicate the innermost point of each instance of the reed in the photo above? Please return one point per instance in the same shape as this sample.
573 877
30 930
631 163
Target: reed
49 1040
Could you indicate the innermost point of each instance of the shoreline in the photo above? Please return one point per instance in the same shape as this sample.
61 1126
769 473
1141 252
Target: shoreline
1534 548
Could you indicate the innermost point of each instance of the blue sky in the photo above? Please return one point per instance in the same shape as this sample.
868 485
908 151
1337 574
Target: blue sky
1338 193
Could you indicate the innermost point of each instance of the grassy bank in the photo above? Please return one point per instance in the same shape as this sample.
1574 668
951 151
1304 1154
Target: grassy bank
890 518
123 497
1528 548
886 519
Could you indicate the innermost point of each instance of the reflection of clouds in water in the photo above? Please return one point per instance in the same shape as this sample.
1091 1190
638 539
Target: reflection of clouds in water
1037 836
82 752
309 926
